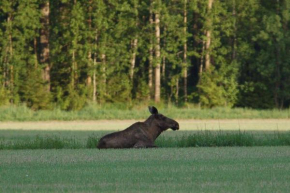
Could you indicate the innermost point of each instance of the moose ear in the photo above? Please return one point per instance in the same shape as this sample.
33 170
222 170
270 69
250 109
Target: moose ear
153 110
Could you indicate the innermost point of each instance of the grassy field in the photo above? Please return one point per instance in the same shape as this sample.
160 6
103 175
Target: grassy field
107 112
192 133
256 169
60 156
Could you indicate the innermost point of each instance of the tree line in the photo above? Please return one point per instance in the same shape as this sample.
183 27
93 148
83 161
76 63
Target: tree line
67 53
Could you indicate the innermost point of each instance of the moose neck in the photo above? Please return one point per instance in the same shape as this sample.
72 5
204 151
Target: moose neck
154 130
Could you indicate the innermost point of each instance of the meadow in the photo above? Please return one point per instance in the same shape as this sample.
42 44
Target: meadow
220 155
192 133
223 169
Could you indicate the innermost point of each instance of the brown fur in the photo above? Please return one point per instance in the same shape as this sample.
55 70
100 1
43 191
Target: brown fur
140 134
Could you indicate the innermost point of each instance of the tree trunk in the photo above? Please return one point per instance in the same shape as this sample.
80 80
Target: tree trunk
11 81
150 69
44 43
133 60
157 55
163 68
104 76
73 69
177 90
185 51
89 78
208 36
35 53
94 80
201 60
94 73
134 44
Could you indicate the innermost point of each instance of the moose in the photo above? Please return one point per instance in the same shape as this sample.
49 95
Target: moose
140 134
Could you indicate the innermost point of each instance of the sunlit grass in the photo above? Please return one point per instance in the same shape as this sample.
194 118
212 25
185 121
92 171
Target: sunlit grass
93 112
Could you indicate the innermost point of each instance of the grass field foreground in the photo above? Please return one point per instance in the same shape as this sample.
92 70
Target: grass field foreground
258 169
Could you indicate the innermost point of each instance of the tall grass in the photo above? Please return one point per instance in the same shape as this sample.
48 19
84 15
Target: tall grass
95 112
225 139
197 139
40 142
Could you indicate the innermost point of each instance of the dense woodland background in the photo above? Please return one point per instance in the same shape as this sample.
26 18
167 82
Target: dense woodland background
68 53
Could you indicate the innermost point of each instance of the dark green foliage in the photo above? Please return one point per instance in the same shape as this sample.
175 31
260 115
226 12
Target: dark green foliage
34 91
91 52
219 88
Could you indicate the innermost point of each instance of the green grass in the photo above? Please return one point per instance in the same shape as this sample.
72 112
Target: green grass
19 139
231 169
93 112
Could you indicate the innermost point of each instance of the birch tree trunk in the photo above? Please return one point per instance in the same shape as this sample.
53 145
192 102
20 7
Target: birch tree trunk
94 72
134 45
157 55
208 37
44 43
94 80
89 78
11 81
150 70
133 60
104 76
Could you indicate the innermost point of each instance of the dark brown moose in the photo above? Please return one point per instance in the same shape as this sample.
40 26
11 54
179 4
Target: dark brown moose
140 134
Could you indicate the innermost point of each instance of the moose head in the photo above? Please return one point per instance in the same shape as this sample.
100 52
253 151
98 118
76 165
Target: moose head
162 121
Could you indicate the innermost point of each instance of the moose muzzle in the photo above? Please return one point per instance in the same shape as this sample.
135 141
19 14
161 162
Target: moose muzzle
175 127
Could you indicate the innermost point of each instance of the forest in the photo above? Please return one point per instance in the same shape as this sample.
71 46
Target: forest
211 53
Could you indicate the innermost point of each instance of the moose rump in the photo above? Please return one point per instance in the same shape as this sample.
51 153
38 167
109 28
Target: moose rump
140 134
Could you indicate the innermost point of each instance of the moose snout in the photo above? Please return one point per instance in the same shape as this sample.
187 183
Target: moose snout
175 126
